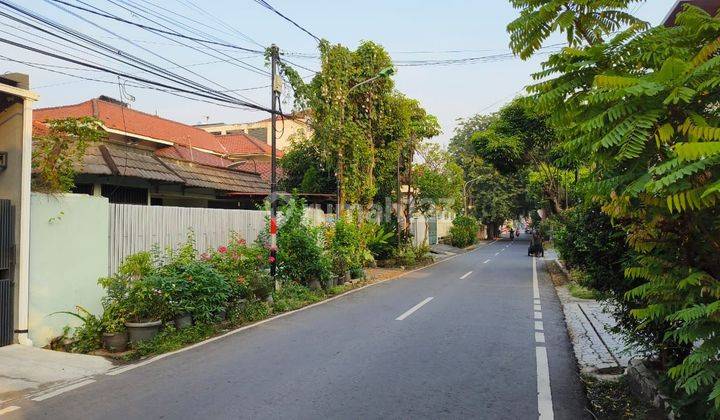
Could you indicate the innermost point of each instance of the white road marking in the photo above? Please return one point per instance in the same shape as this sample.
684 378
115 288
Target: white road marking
63 390
536 288
486 261
544 394
464 276
538 315
497 253
9 409
413 309
545 405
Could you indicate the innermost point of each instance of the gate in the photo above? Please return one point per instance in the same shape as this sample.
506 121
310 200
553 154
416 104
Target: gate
432 231
7 253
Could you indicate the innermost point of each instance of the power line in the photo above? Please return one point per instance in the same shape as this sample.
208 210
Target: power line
157 30
268 6
138 46
112 52
136 78
191 4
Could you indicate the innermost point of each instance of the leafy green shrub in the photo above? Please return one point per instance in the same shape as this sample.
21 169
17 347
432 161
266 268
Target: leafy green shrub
344 246
235 262
86 337
260 284
300 254
586 239
463 231
406 257
380 240
294 295
194 288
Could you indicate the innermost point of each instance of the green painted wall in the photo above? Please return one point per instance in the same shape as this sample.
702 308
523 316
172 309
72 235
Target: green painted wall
68 253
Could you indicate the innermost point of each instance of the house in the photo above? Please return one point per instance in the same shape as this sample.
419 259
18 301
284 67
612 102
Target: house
150 160
261 130
710 6
15 171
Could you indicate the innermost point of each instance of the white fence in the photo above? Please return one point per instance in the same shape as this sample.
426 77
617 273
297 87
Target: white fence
139 228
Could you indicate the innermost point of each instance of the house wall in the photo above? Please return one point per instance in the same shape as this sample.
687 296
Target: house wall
68 254
255 128
11 128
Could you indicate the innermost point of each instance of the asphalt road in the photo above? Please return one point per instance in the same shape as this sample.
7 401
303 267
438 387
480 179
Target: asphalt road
475 350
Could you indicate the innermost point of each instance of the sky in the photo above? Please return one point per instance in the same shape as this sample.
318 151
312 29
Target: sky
409 30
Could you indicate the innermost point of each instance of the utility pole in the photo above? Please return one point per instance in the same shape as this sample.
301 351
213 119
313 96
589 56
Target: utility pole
275 88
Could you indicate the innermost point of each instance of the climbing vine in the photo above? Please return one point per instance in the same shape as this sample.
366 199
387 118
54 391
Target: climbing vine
58 153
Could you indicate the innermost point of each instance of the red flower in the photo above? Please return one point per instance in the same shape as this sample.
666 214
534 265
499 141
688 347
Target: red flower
242 242
205 257
271 259
241 279
222 249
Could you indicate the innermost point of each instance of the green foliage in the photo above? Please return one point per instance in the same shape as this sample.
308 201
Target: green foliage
582 292
300 253
305 169
260 284
639 107
57 154
439 182
293 296
171 339
463 231
235 262
587 240
344 245
86 337
581 21
194 288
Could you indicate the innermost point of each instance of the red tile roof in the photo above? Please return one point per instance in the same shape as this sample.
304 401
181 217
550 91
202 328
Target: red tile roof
261 167
242 144
117 117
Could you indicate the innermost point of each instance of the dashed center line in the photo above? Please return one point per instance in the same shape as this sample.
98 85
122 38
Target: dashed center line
464 276
486 261
413 309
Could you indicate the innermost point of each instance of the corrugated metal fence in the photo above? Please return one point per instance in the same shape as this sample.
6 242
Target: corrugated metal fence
136 228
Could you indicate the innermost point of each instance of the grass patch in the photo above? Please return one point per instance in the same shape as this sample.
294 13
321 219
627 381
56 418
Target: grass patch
582 292
614 400
171 339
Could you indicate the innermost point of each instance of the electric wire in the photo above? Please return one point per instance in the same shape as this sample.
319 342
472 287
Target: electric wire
268 6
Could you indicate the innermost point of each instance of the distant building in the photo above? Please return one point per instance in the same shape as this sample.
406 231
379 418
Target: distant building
710 6
260 130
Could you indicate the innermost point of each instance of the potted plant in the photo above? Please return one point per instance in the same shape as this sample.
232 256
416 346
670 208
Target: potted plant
146 305
114 336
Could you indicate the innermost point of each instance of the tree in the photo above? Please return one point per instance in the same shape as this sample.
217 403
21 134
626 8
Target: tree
58 153
305 170
439 181
345 123
581 21
639 107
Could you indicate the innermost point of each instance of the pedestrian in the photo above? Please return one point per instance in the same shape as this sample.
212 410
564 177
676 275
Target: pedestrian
512 234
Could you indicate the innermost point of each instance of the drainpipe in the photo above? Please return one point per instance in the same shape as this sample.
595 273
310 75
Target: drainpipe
24 263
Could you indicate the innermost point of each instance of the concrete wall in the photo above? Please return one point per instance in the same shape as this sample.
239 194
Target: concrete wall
11 128
68 254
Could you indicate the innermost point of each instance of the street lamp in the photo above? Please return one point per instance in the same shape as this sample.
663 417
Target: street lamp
465 205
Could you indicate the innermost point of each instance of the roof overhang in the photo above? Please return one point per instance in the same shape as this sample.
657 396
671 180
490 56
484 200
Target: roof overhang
16 91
